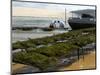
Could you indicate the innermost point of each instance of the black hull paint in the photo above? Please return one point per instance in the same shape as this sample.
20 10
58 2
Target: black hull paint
81 25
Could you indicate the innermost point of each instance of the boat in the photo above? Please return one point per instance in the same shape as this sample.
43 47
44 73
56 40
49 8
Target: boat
57 25
86 20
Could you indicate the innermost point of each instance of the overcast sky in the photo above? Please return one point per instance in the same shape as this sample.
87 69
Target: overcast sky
43 9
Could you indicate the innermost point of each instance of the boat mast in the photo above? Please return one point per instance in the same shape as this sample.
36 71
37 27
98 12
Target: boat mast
65 16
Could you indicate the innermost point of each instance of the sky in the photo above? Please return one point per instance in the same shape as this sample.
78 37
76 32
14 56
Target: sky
44 9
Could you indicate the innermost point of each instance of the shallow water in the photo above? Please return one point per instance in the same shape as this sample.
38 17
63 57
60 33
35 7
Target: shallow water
18 35
23 21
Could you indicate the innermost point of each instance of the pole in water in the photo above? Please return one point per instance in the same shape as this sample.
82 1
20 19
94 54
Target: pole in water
83 53
78 54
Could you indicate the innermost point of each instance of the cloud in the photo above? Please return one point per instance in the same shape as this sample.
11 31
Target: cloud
43 9
23 11
29 4
50 6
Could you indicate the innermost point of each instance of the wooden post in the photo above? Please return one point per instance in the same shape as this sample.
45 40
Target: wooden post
78 54
83 53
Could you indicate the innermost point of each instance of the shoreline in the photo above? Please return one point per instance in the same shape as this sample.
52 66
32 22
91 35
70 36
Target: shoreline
23 68
24 35
62 49
81 64
87 63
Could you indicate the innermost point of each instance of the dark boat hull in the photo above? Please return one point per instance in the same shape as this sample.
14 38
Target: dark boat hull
81 23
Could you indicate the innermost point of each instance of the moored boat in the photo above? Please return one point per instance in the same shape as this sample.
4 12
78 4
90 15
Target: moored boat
84 20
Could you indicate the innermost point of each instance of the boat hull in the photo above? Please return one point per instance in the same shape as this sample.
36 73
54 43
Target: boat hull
80 24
